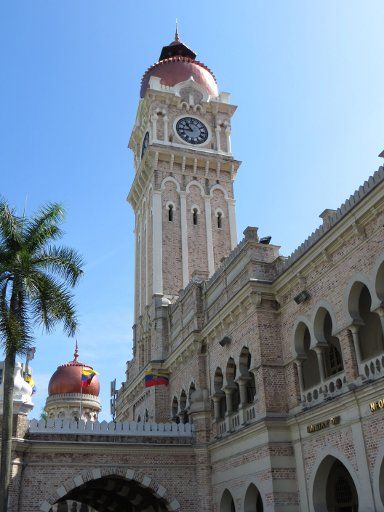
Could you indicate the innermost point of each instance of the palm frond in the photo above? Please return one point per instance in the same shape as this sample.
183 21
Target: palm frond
44 226
63 261
51 303
11 227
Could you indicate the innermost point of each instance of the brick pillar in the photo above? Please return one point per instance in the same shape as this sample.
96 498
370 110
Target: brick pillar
200 416
349 354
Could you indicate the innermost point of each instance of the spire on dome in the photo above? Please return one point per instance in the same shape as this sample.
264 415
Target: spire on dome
76 354
176 48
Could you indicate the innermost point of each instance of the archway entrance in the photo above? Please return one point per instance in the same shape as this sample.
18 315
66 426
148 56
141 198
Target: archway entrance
253 501
110 494
334 489
227 504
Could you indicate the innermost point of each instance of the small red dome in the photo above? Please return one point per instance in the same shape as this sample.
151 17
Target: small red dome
67 379
178 69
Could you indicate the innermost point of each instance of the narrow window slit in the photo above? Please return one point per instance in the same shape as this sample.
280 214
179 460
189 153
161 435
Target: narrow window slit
195 216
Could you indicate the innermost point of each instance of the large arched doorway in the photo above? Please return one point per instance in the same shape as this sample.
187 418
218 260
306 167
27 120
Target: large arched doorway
111 494
253 501
227 504
334 489
381 482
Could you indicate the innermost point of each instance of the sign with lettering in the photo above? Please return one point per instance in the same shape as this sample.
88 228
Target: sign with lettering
379 404
315 427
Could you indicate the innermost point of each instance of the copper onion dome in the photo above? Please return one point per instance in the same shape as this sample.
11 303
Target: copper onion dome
177 64
67 379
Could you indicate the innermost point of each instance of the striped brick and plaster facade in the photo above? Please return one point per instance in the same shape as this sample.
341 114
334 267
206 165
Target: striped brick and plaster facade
276 392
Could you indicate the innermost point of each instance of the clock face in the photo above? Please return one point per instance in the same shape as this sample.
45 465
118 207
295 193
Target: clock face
145 144
192 130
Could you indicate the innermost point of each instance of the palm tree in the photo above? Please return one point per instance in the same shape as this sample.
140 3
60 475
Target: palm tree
35 281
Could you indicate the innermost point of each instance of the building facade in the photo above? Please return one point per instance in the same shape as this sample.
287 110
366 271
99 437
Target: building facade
271 393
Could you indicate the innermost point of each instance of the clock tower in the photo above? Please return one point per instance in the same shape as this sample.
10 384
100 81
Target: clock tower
182 192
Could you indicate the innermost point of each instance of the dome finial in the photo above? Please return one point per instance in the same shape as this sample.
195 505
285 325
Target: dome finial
177 31
76 354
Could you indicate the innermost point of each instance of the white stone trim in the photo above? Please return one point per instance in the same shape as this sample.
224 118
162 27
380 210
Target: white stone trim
170 179
232 221
184 238
168 204
139 242
195 207
147 297
196 184
219 210
157 240
219 187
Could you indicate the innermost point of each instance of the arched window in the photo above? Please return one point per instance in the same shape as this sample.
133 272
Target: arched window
219 396
245 360
170 212
192 388
331 353
175 410
311 373
230 375
183 407
370 333
219 220
194 216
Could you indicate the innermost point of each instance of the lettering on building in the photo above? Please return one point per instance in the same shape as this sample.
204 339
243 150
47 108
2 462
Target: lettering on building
315 427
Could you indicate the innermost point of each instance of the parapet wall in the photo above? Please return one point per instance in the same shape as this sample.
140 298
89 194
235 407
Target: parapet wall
128 428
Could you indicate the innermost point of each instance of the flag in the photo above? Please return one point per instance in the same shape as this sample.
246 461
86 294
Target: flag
87 375
156 378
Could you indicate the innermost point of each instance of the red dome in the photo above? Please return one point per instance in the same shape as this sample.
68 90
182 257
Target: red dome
67 379
178 69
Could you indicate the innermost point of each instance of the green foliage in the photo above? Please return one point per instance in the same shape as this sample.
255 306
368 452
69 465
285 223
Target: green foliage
35 276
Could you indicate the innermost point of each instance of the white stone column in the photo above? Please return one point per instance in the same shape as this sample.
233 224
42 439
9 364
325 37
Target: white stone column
217 131
320 361
147 297
356 342
228 137
232 222
208 226
154 128
165 128
157 235
184 237
140 283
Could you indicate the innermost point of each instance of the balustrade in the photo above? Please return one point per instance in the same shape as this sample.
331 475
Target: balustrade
330 387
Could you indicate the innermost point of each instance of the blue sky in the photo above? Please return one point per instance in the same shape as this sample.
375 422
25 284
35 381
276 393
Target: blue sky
307 77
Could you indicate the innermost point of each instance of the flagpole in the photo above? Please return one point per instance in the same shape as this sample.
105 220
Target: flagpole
81 392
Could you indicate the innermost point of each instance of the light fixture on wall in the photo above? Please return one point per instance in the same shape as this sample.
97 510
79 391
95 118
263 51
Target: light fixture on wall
265 240
225 341
302 297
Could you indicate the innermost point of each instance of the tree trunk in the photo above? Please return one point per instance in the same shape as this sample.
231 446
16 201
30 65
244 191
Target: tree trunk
6 434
